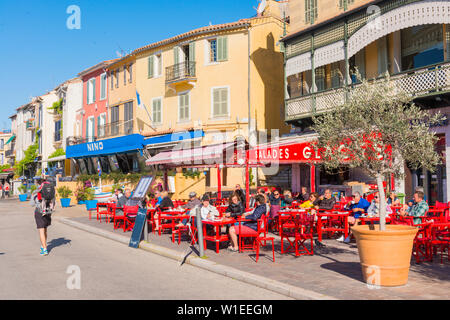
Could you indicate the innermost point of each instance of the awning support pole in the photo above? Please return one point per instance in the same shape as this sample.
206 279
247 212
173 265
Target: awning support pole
247 185
219 183
166 181
313 178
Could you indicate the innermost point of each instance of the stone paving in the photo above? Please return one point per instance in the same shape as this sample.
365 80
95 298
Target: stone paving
333 270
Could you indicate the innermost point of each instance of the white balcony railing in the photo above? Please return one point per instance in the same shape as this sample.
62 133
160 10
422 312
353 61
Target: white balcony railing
417 83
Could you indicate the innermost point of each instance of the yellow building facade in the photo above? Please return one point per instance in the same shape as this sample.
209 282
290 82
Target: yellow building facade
214 79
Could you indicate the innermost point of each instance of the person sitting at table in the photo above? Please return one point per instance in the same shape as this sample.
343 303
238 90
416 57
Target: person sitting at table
326 202
193 202
247 226
288 199
241 193
358 206
165 204
158 197
118 193
207 212
312 202
304 195
419 209
235 208
392 200
374 209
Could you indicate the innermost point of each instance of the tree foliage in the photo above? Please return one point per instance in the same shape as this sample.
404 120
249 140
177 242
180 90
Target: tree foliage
377 129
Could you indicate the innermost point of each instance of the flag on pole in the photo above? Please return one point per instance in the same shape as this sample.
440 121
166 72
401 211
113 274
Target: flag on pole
140 105
99 168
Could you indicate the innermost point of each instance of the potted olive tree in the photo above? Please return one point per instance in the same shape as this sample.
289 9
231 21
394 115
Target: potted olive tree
377 129
65 193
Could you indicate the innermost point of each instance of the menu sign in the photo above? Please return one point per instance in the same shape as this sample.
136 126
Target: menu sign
287 154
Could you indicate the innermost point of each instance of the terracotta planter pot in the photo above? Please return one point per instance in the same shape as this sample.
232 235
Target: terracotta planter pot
385 256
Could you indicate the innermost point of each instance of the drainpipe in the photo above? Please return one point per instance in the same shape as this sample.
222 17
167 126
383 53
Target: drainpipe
249 96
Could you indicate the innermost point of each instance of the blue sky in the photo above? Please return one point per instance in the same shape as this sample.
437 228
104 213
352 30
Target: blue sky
38 51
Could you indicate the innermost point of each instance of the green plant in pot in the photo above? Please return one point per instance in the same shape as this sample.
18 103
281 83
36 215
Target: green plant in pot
91 204
378 129
80 195
64 193
23 193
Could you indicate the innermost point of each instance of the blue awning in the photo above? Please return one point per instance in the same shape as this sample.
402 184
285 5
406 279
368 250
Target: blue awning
175 137
130 143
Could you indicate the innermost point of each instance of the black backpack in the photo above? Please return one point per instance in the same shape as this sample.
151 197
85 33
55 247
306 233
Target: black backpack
48 192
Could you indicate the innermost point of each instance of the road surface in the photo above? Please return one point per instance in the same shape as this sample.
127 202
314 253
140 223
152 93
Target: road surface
101 268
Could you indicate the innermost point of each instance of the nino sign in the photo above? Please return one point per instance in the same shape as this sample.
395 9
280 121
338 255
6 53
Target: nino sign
95 146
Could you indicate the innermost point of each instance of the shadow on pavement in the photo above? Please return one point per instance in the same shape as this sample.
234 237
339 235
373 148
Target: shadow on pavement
57 243
2 253
348 269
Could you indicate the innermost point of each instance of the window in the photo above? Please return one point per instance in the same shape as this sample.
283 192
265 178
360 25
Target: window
422 46
90 89
218 49
183 107
157 111
336 75
117 77
220 102
115 120
310 11
130 73
320 78
128 117
155 65
101 123
103 86
124 75
90 129
2 144
343 4
58 131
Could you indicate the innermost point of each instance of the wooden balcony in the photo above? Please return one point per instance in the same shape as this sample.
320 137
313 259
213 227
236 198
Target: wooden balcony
418 83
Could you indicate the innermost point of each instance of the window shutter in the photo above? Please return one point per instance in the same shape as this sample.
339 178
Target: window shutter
87 128
222 48
87 92
98 126
94 91
176 57
216 106
224 101
150 66
192 51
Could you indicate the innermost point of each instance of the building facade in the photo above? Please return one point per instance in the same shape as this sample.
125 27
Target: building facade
406 38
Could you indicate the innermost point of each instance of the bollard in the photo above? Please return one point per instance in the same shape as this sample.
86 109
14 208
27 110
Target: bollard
146 230
198 219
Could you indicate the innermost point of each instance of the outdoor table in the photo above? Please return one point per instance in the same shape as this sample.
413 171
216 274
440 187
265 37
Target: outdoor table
218 237
371 220
330 215
168 215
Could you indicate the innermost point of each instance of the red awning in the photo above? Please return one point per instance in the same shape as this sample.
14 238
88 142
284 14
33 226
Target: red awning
193 156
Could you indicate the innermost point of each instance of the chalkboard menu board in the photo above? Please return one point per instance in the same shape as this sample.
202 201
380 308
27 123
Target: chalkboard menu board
138 196
136 235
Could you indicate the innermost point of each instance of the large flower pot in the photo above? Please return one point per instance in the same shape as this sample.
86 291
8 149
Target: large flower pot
385 255
82 202
65 202
91 204
23 197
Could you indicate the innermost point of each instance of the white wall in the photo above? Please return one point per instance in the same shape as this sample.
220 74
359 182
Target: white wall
74 102
48 126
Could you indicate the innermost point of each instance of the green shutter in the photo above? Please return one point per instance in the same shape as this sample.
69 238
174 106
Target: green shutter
87 92
87 128
150 66
222 48
176 55
192 51
94 90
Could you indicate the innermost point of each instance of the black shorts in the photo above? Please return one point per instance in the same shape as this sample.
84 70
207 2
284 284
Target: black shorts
42 222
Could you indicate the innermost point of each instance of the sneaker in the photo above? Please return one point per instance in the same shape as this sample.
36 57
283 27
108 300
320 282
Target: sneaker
348 239
341 239
44 252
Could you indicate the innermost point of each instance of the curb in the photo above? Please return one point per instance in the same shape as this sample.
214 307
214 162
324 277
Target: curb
262 282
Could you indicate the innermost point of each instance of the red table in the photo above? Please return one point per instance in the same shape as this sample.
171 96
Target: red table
218 237
342 216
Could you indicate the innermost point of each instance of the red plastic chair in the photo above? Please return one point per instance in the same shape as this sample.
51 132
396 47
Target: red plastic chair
101 212
422 240
440 239
130 214
253 240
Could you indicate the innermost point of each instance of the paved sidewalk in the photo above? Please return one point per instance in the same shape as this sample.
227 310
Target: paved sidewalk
333 271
